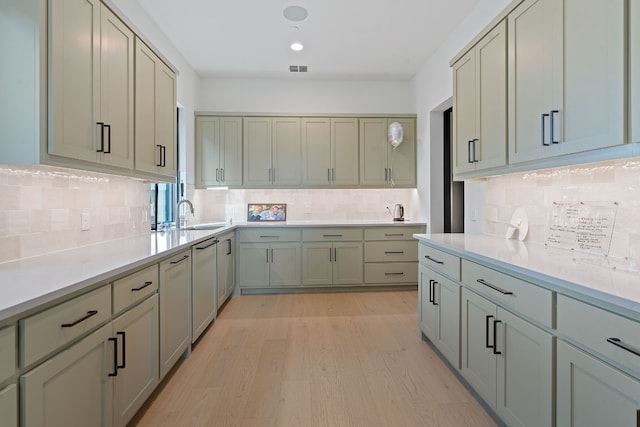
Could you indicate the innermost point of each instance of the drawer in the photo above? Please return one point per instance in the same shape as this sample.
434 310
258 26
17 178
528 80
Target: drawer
260 234
439 261
44 332
391 272
522 297
592 327
7 352
331 234
404 250
135 287
399 232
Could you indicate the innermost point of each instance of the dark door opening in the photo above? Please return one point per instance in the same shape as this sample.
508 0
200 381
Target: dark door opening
453 190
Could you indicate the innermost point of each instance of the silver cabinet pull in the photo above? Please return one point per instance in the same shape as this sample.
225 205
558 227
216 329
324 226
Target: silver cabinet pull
543 127
619 343
494 287
180 260
551 120
434 260
89 314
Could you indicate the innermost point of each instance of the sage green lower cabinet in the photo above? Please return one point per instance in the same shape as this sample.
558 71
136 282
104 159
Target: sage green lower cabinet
175 303
508 361
325 264
204 298
9 406
72 388
591 393
272 265
225 270
439 303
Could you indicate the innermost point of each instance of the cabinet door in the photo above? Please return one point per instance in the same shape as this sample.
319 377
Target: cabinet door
591 393
316 151
401 161
138 331
203 287
116 90
428 311
231 150
74 102
72 388
287 152
225 268
175 300
344 152
373 152
207 151
634 72
167 118
464 110
254 259
257 157
9 406
525 372
285 264
535 55
478 362
230 265
348 263
317 266
446 300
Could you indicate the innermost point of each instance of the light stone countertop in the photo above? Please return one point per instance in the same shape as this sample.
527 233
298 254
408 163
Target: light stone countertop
580 275
34 283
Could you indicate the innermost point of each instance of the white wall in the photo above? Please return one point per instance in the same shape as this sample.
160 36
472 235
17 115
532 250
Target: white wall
433 86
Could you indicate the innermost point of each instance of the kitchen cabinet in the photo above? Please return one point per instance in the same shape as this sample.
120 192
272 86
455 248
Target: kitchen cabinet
72 388
7 352
634 70
480 104
566 71
175 303
335 263
330 151
155 115
391 255
226 267
218 151
137 373
9 406
91 105
591 393
273 152
380 164
204 298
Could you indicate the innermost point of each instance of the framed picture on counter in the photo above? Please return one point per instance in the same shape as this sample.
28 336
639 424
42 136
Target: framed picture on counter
266 212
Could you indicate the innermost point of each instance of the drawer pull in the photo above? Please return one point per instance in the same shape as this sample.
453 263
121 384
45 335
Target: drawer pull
393 252
394 274
619 343
494 287
180 260
269 237
89 314
332 235
486 332
139 288
208 246
495 337
434 260
394 234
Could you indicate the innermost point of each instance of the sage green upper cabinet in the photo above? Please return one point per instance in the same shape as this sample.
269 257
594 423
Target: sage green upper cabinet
272 152
218 151
330 151
380 164
91 82
634 73
156 115
480 104
566 77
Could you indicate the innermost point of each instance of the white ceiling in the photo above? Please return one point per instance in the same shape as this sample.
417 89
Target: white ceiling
359 39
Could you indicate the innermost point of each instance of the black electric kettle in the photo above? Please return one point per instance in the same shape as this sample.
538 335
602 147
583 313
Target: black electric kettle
398 212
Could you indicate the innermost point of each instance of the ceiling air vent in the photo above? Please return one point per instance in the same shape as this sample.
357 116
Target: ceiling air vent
298 68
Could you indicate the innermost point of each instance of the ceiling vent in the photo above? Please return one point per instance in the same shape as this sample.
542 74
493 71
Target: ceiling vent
298 68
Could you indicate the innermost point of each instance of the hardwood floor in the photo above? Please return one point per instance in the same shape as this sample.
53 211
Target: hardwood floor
330 359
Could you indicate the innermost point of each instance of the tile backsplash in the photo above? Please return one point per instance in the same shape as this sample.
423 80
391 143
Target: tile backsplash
41 209
612 181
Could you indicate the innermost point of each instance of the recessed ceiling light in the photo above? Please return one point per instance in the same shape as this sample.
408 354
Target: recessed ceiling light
295 13
297 46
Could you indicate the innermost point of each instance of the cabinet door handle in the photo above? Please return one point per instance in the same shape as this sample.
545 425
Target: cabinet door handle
393 252
159 164
272 258
141 287
222 174
228 247
329 174
101 124
332 235
434 260
201 248
397 273
390 174
475 150
89 314
486 332
115 357
268 237
469 148
108 150
180 260
124 350
494 287
267 253
551 120
619 343
333 174
542 129
330 255
217 174
393 234
164 156
434 292
495 337
431 290
274 175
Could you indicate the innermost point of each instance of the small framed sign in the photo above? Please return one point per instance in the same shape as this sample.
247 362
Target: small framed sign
266 212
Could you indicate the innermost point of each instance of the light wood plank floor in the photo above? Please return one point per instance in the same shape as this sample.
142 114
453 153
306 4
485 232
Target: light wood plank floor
334 359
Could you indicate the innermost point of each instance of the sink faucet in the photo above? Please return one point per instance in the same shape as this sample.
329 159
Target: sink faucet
182 220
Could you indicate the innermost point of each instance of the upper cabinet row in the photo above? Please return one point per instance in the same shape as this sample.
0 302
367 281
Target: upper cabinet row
110 100
548 80
264 152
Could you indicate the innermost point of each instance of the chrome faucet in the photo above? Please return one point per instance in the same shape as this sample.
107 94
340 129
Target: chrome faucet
182 220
